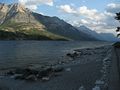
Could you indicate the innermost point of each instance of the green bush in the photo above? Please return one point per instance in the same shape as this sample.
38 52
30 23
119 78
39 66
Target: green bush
117 44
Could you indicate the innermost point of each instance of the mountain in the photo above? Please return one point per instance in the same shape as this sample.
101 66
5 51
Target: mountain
90 32
60 27
99 36
109 37
18 22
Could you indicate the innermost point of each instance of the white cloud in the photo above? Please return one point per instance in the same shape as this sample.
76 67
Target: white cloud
31 7
84 21
90 13
67 9
33 4
99 21
82 11
113 7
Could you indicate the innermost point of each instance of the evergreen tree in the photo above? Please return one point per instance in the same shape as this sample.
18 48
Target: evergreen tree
118 28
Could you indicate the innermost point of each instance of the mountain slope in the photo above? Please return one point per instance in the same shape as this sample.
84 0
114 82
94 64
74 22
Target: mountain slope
26 31
60 27
20 22
90 32
17 22
3 11
99 36
109 37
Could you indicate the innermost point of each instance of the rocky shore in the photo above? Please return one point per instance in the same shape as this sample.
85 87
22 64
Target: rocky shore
80 69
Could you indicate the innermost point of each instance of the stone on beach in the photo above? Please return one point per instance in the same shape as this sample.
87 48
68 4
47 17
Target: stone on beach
11 72
31 78
99 82
45 78
74 54
68 69
81 88
58 69
16 75
33 75
96 88
85 73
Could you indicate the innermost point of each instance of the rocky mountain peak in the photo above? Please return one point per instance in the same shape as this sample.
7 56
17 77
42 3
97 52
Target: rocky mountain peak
3 7
17 7
17 18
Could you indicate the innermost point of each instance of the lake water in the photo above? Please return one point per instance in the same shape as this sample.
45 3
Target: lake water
18 53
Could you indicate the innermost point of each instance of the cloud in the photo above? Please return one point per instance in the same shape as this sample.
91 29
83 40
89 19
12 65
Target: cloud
90 13
33 4
107 25
82 11
32 7
67 9
113 7
99 21
84 21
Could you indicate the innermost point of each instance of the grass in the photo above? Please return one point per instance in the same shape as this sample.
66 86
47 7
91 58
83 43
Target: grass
17 35
117 44
13 31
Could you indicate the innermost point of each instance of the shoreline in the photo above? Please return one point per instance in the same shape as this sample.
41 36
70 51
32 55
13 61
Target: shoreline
83 71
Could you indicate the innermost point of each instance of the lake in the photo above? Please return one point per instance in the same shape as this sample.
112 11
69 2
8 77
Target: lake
20 53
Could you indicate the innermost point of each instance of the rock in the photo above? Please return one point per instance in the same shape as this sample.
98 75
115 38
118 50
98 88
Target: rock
106 59
11 72
68 69
58 69
56 74
20 71
77 53
96 88
31 78
32 75
99 82
29 71
61 62
45 78
20 77
26 70
68 54
16 75
106 87
73 55
81 88
45 72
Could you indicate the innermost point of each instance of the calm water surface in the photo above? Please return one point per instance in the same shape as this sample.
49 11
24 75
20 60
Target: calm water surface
17 53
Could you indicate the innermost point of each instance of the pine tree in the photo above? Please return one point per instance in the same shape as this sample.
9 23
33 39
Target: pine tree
118 28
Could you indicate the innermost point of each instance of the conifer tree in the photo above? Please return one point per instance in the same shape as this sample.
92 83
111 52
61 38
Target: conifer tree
118 28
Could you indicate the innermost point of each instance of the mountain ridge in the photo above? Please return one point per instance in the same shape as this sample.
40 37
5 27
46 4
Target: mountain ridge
99 36
17 18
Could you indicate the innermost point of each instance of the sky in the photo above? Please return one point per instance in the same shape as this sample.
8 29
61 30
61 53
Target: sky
97 15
